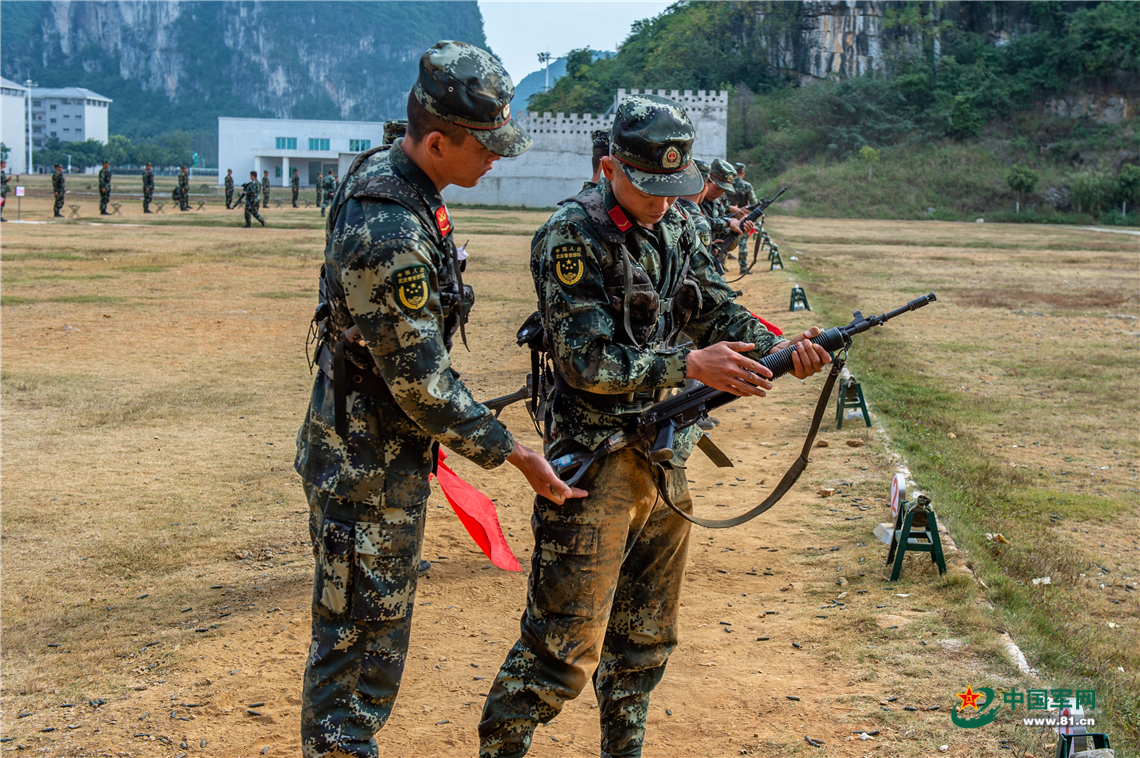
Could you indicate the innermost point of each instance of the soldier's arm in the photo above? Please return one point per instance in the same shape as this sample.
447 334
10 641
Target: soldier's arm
401 326
720 317
583 329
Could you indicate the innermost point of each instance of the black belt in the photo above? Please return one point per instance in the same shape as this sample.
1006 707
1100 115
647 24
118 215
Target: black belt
347 377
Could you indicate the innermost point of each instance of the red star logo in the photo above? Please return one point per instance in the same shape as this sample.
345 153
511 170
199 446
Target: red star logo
969 698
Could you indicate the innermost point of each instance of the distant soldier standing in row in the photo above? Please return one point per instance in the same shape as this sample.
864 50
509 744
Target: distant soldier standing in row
601 141
745 197
148 188
265 189
59 188
251 193
328 187
295 184
104 188
3 188
229 188
183 190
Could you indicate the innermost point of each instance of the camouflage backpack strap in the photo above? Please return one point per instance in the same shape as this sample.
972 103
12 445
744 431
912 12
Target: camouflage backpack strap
365 156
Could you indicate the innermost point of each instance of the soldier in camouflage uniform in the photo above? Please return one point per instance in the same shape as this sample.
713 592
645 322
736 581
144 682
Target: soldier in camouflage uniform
295 185
378 409
148 188
183 190
600 141
265 189
718 182
329 187
251 194
620 273
744 197
104 188
229 184
59 189
4 179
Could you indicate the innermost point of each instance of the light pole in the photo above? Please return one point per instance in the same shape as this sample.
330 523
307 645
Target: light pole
68 162
28 84
544 58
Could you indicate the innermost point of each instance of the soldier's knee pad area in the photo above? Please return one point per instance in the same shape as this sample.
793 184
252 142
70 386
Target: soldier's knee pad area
564 578
366 571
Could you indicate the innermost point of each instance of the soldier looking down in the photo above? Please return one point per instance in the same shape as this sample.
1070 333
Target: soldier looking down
620 273
385 397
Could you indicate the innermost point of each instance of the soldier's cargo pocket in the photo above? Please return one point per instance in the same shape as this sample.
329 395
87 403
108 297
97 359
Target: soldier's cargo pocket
386 558
565 579
334 566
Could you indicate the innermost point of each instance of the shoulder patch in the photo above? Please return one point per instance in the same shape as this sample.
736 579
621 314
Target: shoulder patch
706 237
411 286
443 220
569 263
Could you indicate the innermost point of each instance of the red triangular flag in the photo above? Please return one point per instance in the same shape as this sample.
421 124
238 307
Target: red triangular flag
477 514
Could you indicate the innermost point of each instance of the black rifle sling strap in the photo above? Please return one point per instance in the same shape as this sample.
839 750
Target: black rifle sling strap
790 476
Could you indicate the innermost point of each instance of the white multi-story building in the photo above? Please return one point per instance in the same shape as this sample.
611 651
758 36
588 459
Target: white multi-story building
72 114
14 124
280 145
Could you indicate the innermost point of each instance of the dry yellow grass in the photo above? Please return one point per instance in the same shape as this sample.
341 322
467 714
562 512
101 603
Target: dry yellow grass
153 381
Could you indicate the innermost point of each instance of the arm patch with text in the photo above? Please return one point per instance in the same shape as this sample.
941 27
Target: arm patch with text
411 286
569 263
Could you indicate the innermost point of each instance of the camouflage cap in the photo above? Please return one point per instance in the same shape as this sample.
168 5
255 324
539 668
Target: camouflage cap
703 167
467 86
394 129
739 167
652 140
600 138
722 174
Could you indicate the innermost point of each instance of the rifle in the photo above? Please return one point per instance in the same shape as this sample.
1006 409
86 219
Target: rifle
756 212
661 421
497 404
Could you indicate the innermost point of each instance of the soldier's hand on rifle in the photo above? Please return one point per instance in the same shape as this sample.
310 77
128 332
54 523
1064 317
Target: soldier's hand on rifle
541 476
809 358
724 366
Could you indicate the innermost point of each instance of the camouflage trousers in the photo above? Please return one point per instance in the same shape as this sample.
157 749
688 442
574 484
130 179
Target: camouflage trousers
364 587
251 209
104 198
742 252
602 602
58 203
148 198
229 198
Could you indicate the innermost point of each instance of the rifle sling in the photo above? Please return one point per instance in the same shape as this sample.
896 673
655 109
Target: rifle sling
790 476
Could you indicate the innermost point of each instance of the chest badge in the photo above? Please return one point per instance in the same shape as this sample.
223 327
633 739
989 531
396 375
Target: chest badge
569 265
411 286
443 221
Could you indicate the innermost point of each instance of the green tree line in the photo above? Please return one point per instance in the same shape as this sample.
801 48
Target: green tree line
172 150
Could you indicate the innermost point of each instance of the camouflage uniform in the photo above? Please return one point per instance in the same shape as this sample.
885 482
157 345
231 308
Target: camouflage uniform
328 184
251 193
229 184
295 185
183 191
148 189
59 189
265 190
600 144
104 190
606 571
744 196
4 179
391 269
716 211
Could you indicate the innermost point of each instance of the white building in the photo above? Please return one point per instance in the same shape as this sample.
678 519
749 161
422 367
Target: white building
280 145
14 124
72 114
555 167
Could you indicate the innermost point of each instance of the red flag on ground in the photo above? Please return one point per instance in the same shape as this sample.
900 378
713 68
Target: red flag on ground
477 514
769 326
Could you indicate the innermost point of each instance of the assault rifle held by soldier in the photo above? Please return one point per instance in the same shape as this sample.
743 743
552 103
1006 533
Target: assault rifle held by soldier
729 240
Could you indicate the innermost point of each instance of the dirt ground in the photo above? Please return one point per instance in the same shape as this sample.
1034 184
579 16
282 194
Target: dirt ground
153 381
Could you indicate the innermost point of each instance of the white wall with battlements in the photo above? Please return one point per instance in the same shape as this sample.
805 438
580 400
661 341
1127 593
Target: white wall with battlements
555 167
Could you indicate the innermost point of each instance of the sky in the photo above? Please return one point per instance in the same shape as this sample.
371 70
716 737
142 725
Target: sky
518 31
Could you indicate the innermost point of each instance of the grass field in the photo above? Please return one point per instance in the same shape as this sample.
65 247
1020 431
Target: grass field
154 377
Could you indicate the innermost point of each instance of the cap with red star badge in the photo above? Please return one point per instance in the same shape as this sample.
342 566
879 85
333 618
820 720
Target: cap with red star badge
652 140
467 86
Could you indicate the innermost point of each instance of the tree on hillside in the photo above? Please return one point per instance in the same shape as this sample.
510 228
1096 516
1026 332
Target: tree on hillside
871 156
1128 186
1021 179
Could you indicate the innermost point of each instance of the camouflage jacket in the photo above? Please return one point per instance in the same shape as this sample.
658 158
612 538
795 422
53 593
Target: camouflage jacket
295 181
229 183
148 181
391 268
743 193
717 218
699 219
577 266
265 187
184 184
4 179
104 180
58 183
251 192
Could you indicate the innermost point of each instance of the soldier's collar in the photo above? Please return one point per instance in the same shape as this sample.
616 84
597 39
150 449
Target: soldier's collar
415 176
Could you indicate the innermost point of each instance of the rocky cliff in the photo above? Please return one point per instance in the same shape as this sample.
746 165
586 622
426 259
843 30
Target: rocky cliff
187 62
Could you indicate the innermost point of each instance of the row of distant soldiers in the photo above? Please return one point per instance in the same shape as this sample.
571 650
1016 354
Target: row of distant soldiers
736 199
181 193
